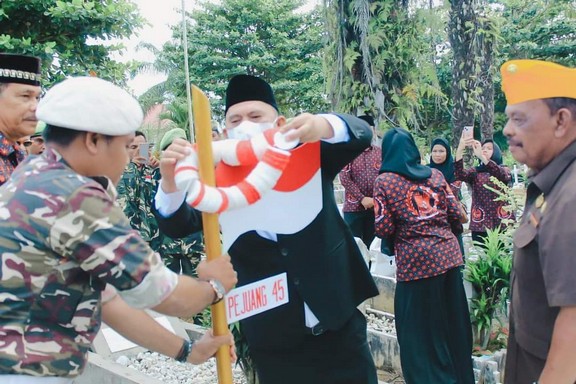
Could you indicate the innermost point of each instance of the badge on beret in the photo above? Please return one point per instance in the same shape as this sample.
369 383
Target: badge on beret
512 68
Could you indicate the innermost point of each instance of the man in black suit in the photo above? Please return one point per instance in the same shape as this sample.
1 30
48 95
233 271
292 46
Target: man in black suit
319 336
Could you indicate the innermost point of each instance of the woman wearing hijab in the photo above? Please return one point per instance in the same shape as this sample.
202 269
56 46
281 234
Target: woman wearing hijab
441 159
486 212
416 211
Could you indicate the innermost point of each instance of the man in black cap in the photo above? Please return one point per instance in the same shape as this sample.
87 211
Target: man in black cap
319 336
19 92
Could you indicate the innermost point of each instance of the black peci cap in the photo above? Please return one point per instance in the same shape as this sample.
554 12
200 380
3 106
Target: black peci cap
19 69
249 88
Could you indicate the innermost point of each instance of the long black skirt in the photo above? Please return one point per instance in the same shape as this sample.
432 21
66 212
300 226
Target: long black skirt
434 331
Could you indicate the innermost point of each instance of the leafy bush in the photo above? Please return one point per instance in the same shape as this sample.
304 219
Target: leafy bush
489 275
489 271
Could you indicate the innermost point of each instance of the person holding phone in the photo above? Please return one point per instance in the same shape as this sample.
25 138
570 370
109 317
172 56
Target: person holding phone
139 151
135 193
486 212
136 186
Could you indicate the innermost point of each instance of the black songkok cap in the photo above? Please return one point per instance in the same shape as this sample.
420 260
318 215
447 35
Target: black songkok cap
368 119
249 88
19 69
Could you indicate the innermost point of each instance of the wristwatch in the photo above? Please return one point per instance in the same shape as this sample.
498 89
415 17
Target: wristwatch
185 351
218 290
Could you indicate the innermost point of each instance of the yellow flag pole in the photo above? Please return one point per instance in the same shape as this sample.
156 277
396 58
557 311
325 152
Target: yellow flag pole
202 123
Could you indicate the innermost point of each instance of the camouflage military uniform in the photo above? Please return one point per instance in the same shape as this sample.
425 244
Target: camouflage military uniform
10 156
136 192
62 238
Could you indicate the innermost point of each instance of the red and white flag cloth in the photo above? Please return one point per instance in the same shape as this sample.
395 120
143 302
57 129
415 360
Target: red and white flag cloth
292 204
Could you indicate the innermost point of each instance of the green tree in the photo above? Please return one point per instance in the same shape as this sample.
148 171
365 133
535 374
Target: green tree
73 37
539 29
267 38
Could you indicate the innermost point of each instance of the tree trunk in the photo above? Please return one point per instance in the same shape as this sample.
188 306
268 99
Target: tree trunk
487 72
461 33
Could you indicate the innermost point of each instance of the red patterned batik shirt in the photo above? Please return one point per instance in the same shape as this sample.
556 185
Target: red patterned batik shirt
485 213
10 156
419 217
358 177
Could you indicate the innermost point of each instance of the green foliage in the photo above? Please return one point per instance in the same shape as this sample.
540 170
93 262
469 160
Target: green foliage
539 29
258 37
73 37
489 275
243 353
378 60
204 318
489 271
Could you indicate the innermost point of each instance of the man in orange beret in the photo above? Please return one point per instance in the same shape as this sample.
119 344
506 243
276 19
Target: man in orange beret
541 133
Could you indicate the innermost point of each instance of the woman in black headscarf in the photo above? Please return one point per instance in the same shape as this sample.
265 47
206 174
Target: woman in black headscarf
441 159
417 211
486 212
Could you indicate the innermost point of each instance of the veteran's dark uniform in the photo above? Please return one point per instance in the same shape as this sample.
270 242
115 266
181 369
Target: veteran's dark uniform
544 265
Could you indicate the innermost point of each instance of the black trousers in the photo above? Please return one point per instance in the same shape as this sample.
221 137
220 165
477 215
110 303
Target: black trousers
361 224
522 367
334 357
434 331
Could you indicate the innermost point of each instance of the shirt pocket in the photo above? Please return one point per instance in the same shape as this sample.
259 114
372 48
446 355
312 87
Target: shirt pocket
55 305
525 234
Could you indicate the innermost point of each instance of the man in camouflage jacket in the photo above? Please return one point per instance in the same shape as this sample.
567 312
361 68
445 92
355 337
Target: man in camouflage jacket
136 191
63 239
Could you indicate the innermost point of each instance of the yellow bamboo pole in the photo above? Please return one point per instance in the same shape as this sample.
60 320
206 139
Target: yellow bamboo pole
203 128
